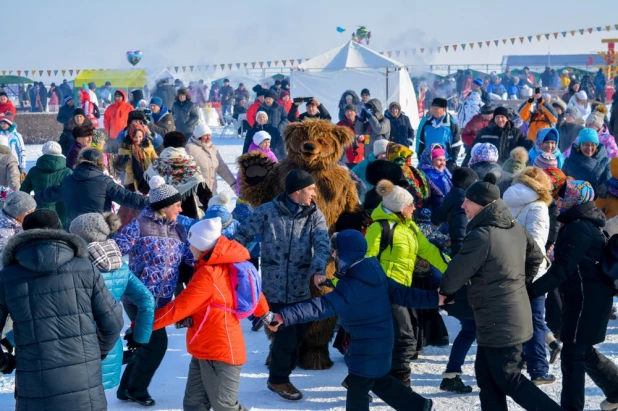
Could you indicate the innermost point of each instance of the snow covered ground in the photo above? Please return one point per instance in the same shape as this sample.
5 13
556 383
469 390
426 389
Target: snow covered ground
322 389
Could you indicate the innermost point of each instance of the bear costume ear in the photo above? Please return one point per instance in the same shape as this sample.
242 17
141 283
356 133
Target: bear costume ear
344 135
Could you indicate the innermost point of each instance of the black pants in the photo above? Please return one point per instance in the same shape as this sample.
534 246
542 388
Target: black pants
387 388
405 326
579 360
498 374
553 311
284 349
137 376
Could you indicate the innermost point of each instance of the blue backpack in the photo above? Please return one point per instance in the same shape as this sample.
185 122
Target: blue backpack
246 289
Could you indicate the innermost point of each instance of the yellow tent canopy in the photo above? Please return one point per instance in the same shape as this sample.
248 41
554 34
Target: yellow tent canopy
118 78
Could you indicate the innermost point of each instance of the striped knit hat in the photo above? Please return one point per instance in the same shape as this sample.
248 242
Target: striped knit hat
162 195
545 161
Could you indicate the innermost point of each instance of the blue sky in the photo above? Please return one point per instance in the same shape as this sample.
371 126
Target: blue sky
96 34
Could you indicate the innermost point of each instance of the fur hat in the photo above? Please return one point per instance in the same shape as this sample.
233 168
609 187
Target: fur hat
439 102
464 177
162 195
52 148
98 137
174 139
383 170
484 192
559 103
224 198
394 198
46 219
204 234
95 227
83 131
546 160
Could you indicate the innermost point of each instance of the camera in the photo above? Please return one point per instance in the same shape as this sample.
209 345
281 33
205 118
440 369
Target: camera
302 99
186 323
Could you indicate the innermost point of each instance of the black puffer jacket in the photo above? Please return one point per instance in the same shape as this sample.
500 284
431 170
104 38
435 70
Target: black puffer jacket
185 117
88 190
504 178
497 257
276 141
401 129
167 93
505 139
588 294
64 319
276 116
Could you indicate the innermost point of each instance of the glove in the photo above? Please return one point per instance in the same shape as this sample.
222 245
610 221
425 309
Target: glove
266 319
7 345
540 101
132 345
7 364
531 100
367 112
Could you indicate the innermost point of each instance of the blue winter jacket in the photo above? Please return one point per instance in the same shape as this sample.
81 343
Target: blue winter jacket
537 149
362 299
444 131
121 282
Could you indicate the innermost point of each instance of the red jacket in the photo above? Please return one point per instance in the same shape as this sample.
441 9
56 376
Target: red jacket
117 115
353 154
6 108
474 126
216 334
286 104
252 111
88 108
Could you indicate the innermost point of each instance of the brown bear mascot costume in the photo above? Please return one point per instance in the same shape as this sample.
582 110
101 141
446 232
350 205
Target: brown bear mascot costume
314 146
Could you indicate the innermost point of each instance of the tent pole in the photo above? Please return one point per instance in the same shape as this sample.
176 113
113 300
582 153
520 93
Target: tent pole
386 86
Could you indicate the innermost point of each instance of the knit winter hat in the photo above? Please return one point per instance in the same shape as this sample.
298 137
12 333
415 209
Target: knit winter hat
484 192
581 95
52 148
350 107
545 161
379 147
157 101
575 192
478 81
439 102
501 111
438 152
222 213
18 203
394 198
66 99
95 227
270 94
484 152
464 177
79 112
550 134
557 178
596 119
588 135
42 219
260 137
201 130
574 111
297 180
4 119
204 234
224 198
162 195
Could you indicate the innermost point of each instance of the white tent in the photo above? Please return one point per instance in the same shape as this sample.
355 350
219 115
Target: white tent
355 67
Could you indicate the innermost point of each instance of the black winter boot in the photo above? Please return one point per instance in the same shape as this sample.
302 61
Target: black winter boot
452 382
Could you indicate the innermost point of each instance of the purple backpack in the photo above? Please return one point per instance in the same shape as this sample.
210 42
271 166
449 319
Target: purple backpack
246 289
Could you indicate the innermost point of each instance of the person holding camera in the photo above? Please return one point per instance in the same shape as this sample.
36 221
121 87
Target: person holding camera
315 110
156 245
539 115
372 122
162 120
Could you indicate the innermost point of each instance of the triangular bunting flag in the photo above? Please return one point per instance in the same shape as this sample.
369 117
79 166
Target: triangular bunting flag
77 72
454 47
512 40
27 71
222 66
616 26
70 73
488 43
49 73
422 50
538 37
63 72
398 53
564 33
41 73
19 72
381 53
276 62
405 52
572 32
599 28
471 45
237 66
547 36
268 63
446 48
4 72
555 35
463 46
261 64
581 31
10 72
413 52
521 40
389 53
608 28
55 72
191 68
214 67
503 41
206 67
33 72
184 69
529 39
253 64
590 30
230 65
480 43
430 50
245 64
438 48
176 69
169 68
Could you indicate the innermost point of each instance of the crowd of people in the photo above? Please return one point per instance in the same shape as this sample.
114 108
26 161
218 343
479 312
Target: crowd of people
500 223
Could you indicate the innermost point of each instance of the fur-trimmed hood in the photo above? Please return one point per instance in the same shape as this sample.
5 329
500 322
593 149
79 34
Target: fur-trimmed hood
43 250
526 190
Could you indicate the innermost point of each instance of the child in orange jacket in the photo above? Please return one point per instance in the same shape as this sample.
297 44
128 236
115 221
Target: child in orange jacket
215 338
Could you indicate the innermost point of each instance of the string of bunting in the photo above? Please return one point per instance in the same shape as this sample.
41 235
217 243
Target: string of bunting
290 63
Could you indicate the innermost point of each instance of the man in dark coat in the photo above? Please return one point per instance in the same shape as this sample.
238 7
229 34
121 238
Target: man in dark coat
64 317
588 297
66 112
401 128
315 110
65 89
185 113
227 97
503 134
496 259
613 119
276 112
165 91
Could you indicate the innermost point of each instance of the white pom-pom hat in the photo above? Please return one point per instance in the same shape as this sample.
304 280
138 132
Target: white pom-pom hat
394 198
162 195
224 198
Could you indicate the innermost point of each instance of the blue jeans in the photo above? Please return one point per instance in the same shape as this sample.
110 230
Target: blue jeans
534 350
226 110
461 346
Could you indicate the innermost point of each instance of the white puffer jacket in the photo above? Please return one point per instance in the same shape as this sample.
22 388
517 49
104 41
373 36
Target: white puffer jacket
529 206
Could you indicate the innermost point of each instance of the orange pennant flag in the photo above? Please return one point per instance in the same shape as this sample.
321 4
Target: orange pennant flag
572 32
521 39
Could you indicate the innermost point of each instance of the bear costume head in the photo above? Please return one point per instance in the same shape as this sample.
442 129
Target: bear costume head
316 144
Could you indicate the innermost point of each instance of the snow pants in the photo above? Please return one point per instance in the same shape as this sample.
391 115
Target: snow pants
577 360
387 388
498 374
405 326
212 384
137 375
284 349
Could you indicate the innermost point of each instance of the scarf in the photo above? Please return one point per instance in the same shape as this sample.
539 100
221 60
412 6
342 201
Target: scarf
176 166
161 113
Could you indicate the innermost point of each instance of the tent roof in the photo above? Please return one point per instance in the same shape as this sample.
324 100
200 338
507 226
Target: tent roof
349 55
15 80
118 78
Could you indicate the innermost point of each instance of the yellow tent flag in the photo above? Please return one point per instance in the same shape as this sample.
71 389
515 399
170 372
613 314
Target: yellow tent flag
132 78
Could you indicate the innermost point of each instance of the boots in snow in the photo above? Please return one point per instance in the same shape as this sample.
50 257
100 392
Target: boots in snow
451 382
428 405
609 406
403 376
613 316
344 384
544 379
286 391
145 401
